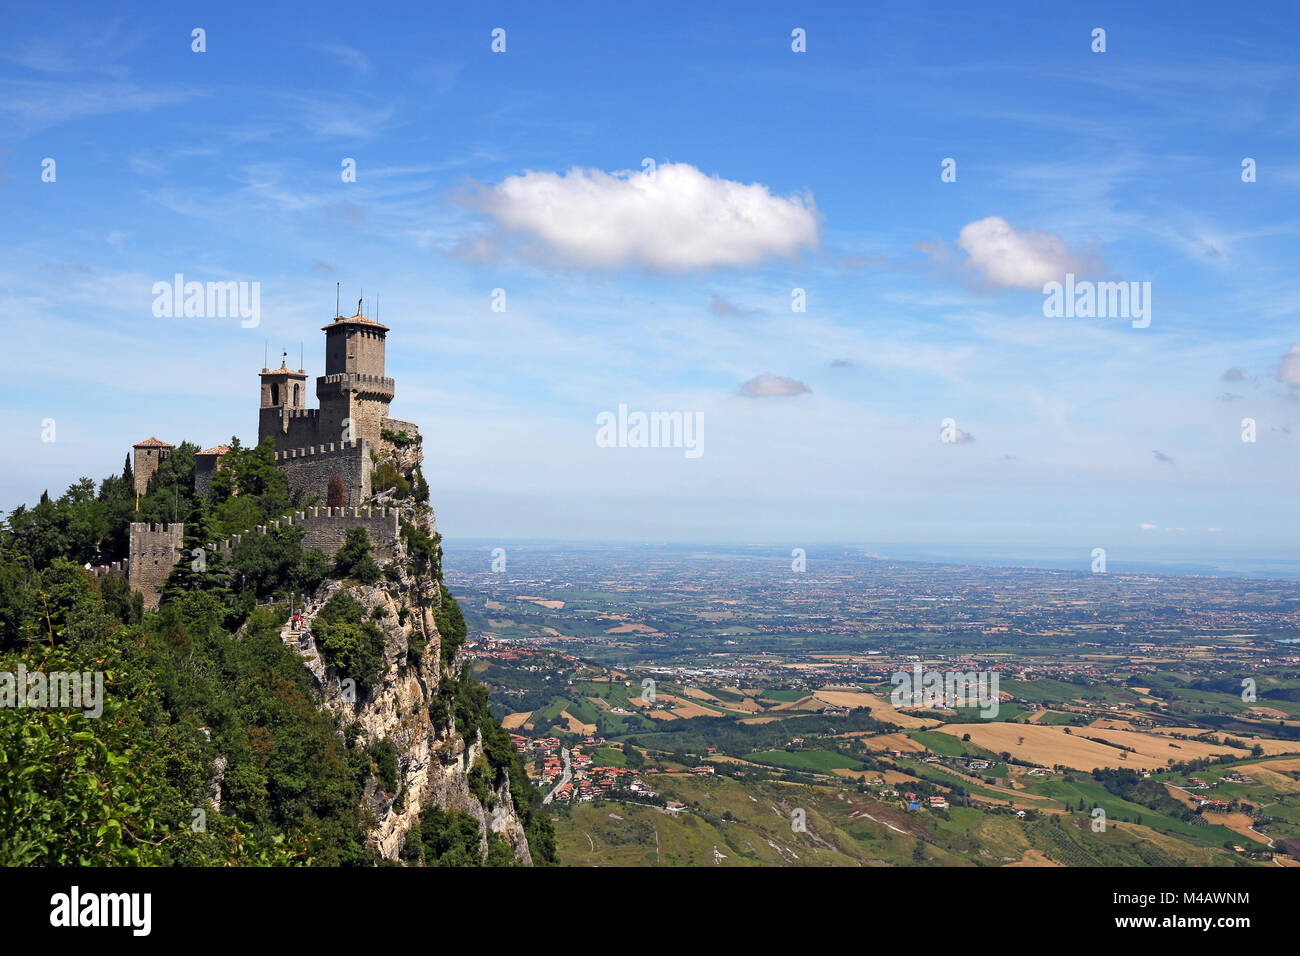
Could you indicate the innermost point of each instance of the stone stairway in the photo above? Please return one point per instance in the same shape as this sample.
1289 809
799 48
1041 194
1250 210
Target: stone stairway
301 639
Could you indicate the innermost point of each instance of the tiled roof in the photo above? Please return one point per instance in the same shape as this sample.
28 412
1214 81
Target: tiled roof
357 319
218 450
153 443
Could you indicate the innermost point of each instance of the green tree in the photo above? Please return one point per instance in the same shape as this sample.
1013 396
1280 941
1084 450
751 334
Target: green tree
352 646
354 559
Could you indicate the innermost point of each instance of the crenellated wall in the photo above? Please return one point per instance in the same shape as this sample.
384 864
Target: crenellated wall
156 549
309 468
290 427
153 551
326 528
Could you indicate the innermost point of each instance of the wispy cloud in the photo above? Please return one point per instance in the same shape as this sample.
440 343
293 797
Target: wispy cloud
353 59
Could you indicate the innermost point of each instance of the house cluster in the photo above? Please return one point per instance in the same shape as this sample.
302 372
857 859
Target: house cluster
1205 803
494 650
542 746
936 802
591 782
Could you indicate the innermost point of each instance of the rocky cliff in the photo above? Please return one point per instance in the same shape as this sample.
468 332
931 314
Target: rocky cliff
434 761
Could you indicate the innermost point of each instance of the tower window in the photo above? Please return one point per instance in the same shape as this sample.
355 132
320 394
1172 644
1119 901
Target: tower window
275 394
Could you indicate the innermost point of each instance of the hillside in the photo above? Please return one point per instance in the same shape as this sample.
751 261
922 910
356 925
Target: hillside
225 736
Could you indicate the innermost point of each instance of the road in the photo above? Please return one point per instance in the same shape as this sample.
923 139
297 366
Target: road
564 776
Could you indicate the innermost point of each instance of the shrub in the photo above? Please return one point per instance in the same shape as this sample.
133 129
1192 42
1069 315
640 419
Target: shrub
353 647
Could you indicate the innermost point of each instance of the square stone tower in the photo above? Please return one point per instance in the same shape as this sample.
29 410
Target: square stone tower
284 413
149 454
354 394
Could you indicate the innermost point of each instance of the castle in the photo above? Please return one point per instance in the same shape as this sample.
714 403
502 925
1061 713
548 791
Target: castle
347 436
351 429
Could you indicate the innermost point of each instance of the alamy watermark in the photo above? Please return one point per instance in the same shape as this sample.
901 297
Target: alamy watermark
211 300
66 690
1098 300
922 688
651 430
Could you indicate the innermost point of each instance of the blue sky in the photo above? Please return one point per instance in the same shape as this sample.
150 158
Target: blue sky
775 170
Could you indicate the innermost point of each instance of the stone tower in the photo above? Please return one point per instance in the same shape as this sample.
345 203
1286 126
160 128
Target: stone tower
149 454
284 413
154 551
345 435
354 394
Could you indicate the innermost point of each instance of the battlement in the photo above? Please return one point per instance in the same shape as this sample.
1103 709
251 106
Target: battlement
101 571
309 469
154 550
301 412
329 448
148 527
155 537
326 529
398 425
337 377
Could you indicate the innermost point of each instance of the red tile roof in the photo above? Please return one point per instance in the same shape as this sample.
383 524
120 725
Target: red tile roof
217 450
153 443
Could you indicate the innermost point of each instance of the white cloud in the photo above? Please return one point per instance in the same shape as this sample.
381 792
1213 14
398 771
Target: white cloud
1147 526
1288 369
773 386
1017 259
673 219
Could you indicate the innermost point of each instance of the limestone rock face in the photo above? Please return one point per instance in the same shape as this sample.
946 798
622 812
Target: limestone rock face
406 454
433 763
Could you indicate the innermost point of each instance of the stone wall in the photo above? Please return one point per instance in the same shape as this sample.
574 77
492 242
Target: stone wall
310 468
154 551
362 400
290 427
326 528
145 464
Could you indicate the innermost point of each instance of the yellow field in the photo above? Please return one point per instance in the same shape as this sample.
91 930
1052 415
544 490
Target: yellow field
698 693
515 721
1050 746
1292 766
887 742
846 698
672 708
1035 858
803 703
631 629
575 726
541 602
1270 778
882 709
